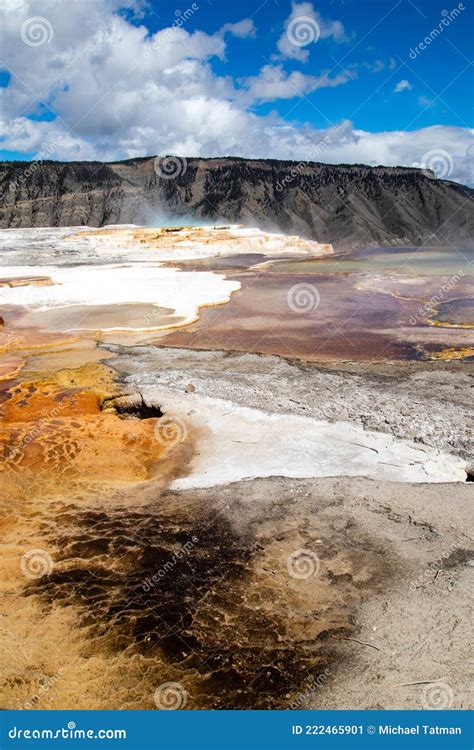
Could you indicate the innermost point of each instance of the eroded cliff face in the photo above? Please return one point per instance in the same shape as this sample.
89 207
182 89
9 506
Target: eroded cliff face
344 205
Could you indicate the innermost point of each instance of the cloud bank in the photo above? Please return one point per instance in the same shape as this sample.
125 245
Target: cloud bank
117 92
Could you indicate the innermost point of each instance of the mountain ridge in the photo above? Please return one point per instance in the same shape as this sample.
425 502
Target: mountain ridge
341 204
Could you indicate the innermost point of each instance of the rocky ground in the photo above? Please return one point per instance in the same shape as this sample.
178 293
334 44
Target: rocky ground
186 517
341 592
382 588
429 405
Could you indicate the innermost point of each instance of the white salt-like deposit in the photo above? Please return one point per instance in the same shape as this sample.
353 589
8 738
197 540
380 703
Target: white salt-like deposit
114 266
236 443
150 284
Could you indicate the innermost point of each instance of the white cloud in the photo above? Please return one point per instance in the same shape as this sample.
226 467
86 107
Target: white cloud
243 29
378 66
403 86
305 26
425 101
120 92
274 83
374 67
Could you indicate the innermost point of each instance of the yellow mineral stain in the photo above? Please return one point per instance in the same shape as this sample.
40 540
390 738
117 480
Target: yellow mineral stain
60 455
215 239
55 428
446 324
27 281
452 353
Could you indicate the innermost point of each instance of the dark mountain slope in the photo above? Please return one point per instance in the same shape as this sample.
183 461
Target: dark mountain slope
342 204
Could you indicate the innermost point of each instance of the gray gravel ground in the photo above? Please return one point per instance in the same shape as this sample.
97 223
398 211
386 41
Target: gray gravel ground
430 406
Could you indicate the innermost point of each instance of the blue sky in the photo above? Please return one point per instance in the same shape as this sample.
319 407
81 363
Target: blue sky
378 30
389 80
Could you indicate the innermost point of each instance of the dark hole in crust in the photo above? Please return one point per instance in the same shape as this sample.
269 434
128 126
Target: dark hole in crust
131 406
469 476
